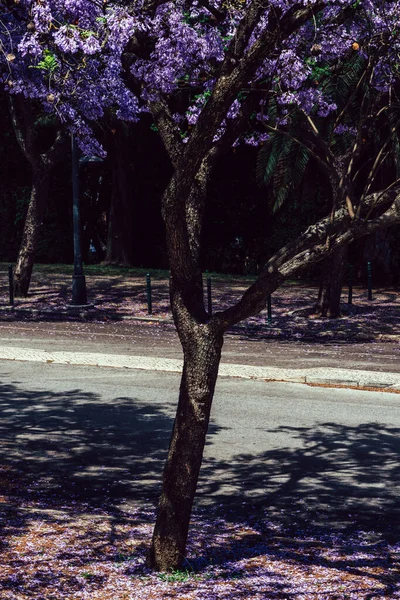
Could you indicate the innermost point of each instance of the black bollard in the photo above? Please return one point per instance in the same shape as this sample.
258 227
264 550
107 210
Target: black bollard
11 284
351 273
148 290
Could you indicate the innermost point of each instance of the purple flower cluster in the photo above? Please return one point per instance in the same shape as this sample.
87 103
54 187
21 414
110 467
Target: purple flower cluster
69 55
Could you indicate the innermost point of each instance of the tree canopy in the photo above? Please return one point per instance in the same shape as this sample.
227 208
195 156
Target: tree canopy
83 57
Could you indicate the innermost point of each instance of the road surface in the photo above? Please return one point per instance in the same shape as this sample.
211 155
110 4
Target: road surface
272 447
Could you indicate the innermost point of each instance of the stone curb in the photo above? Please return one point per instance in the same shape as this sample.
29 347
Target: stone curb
317 376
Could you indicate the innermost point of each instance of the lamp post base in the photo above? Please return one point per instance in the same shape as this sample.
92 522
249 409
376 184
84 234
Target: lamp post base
79 297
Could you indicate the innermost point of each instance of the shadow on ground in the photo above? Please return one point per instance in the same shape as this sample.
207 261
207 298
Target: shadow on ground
337 473
337 492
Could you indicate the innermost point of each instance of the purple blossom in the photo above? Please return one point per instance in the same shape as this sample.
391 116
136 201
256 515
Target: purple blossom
78 46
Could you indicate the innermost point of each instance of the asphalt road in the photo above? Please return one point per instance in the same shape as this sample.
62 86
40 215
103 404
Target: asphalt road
325 454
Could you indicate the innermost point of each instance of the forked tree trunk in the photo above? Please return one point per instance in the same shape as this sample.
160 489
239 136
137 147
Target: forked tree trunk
202 353
31 232
328 304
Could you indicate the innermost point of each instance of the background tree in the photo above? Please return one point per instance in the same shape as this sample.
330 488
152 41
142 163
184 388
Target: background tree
42 155
351 147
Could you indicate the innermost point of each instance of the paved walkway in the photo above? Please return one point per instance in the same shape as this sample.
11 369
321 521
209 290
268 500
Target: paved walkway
317 375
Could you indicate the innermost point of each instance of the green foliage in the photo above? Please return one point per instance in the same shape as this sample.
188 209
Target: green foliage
86 33
281 163
318 72
121 558
177 576
87 575
341 84
205 95
49 63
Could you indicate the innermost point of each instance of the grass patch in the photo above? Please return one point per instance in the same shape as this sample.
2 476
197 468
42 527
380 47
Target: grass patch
87 575
103 270
95 270
177 576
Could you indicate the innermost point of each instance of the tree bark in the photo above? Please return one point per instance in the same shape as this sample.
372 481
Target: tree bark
42 163
328 304
201 338
202 353
120 221
31 232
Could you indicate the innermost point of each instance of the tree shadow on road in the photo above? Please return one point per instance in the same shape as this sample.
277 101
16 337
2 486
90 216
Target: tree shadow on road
64 455
74 443
334 468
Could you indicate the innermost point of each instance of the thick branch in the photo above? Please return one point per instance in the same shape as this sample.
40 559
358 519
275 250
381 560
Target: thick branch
25 133
320 251
316 234
228 85
23 127
308 249
56 151
184 222
168 130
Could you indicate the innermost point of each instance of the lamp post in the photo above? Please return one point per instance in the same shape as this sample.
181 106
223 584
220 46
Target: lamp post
79 296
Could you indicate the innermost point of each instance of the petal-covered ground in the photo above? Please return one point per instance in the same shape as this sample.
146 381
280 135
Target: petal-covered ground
70 549
125 296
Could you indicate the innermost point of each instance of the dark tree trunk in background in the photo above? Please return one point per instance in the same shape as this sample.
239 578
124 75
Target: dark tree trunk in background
42 162
333 269
120 242
31 232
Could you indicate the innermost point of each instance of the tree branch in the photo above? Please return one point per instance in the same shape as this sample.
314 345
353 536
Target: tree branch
168 130
56 151
23 128
308 249
229 84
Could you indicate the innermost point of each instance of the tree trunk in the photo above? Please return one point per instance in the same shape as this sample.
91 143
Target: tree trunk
202 353
328 304
120 221
30 236
26 132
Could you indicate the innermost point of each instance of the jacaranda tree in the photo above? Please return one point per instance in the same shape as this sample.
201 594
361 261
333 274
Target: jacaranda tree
355 146
205 70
